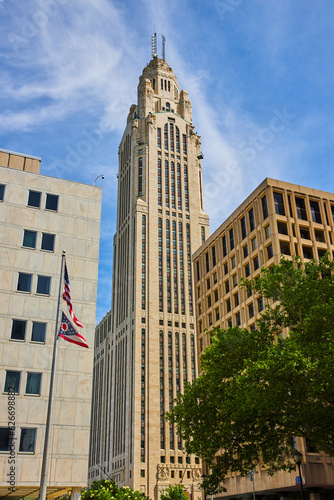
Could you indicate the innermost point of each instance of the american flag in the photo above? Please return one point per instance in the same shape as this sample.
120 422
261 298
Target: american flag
69 333
67 298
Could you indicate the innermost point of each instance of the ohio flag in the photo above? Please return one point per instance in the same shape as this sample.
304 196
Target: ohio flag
69 333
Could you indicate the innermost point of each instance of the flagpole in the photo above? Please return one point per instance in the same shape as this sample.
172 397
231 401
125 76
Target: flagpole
45 462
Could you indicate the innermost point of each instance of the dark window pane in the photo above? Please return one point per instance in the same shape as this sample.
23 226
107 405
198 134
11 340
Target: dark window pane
29 239
224 243
24 282
251 219
33 383
2 192
301 210
264 207
279 203
18 329
12 382
27 440
34 199
48 241
231 238
4 438
51 202
43 285
315 212
243 227
38 332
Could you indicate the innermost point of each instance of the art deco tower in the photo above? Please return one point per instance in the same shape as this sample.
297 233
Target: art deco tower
149 350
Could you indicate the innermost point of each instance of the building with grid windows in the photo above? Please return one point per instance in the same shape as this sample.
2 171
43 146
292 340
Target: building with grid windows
40 217
150 350
277 218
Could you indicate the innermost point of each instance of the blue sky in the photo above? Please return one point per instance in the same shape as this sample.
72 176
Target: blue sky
259 74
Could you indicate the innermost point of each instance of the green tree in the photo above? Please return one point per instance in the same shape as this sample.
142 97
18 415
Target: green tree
259 389
175 492
108 490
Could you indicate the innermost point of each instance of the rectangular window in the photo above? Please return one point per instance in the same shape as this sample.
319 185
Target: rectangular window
4 439
213 256
215 278
251 220
48 242
24 282
216 295
208 284
233 262
217 313
254 243
243 227
227 286
33 383
301 210
27 440
18 329
34 199
210 319
256 264
224 240
12 382
43 285
209 301
228 305
159 138
197 270
260 304
2 192
38 332
315 211
238 319
285 248
234 280
29 238
270 252
279 204
229 323
207 263
245 250
267 231
247 270
236 300
51 202
282 227
307 252
264 207
251 310
319 236
304 233
231 238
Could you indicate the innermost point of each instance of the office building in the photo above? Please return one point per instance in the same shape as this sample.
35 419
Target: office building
40 217
149 352
277 218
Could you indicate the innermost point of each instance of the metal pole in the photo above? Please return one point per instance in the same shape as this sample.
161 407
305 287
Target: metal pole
45 462
301 483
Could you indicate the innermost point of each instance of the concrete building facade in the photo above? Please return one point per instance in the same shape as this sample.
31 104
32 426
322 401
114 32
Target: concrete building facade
150 341
40 217
277 218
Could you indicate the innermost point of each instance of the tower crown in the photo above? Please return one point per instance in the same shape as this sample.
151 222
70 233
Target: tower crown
158 91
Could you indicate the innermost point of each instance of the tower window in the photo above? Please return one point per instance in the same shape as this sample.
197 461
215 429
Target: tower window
168 86
140 177
167 106
162 84
153 83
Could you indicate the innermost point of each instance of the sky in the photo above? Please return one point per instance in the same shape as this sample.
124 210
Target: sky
259 73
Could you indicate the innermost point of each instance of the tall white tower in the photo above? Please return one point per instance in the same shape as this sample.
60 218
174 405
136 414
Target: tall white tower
150 352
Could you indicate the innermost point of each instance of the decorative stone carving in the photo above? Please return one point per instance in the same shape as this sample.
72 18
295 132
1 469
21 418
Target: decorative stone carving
163 472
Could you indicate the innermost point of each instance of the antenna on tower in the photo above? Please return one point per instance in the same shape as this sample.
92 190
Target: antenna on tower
163 47
154 45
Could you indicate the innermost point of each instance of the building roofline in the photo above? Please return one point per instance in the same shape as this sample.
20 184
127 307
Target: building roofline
20 154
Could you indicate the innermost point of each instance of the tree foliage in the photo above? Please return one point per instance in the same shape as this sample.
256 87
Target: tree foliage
175 492
259 389
108 490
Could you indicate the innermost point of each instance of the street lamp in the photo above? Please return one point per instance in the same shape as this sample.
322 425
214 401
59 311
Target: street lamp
298 459
97 178
204 476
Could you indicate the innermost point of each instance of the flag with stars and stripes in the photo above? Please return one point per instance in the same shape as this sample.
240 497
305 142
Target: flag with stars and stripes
67 298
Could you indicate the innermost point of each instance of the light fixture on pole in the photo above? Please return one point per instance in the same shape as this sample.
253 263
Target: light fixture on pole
97 178
298 459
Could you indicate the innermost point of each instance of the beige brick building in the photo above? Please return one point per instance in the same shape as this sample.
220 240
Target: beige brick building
39 217
149 349
277 218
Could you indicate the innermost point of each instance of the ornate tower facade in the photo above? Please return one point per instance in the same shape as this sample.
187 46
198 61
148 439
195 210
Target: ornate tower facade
149 352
